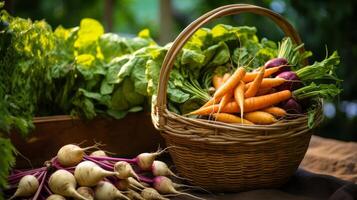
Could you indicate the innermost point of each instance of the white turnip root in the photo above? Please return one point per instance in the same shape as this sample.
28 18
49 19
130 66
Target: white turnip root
160 168
152 194
145 160
27 186
124 170
164 185
55 197
107 191
87 173
70 155
87 192
122 184
134 195
98 153
137 184
63 182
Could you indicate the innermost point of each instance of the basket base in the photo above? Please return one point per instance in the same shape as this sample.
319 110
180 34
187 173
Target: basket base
261 167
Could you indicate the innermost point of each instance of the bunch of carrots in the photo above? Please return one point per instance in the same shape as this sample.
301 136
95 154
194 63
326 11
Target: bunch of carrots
250 94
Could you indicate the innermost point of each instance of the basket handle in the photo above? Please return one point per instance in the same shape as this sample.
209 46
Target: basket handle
185 35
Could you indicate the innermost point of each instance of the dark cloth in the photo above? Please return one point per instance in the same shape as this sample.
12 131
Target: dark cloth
303 185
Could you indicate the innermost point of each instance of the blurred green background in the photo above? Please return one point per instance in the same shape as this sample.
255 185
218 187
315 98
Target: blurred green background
321 23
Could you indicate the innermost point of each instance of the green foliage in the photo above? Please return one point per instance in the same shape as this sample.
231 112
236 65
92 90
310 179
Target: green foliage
7 160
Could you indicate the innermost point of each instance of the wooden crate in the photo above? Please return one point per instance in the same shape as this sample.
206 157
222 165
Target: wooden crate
126 137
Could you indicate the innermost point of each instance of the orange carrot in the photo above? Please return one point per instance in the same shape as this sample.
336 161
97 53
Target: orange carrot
268 83
217 81
260 102
239 97
250 76
250 104
227 97
231 83
260 117
276 111
213 100
229 118
264 91
254 86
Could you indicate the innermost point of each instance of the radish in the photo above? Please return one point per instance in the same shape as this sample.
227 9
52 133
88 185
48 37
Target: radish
87 192
107 191
88 173
70 155
124 170
63 182
134 195
28 185
98 153
152 194
160 168
55 197
165 186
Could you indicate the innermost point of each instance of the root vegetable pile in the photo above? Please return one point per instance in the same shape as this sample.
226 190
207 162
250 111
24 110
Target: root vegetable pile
272 92
73 174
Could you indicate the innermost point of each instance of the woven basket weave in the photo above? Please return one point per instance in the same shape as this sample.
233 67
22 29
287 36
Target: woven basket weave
224 157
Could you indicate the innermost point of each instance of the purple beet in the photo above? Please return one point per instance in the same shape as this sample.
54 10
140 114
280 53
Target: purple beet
292 106
277 62
293 82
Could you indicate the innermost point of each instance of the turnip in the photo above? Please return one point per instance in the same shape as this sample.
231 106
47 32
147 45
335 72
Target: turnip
145 160
152 194
293 82
27 186
70 155
63 182
87 173
87 192
55 197
164 185
124 170
160 168
134 195
107 191
122 184
136 183
98 153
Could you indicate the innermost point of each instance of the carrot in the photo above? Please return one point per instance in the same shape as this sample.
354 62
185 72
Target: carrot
264 91
268 83
217 81
229 118
239 97
250 76
227 97
255 85
260 102
213 100
250 104
276 111
231 83
260 117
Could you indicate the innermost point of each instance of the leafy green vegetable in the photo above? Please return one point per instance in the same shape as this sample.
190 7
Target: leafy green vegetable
325 70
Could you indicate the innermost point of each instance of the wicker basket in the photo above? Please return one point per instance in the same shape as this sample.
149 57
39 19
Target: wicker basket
224 157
